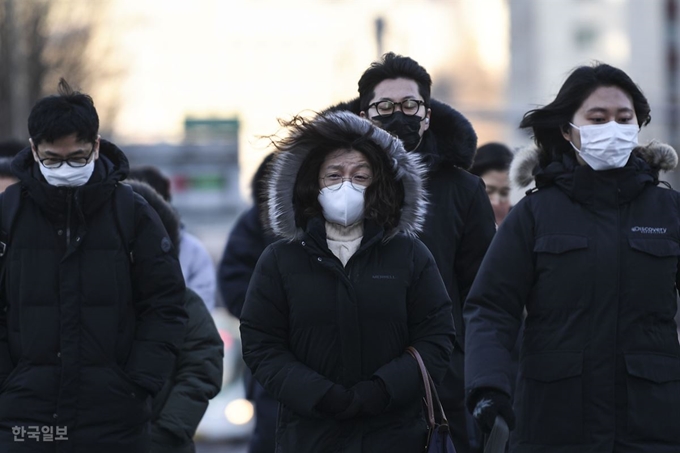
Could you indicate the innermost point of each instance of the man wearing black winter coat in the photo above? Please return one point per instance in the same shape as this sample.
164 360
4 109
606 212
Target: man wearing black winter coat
395 94
89 324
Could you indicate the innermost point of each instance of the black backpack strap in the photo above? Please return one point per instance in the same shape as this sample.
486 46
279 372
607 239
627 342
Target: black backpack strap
11 200
124 211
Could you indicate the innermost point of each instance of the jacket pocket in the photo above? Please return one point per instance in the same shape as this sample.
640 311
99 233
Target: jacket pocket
557 255
653 393
550 398
135 390
560 243
656 247
649 272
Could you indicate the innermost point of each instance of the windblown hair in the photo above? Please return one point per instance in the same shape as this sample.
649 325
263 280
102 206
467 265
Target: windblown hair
393 66
548 122
64 114
383 197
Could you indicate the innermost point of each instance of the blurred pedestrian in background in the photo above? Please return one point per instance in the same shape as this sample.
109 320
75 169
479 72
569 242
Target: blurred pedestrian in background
394 93
592 254
246 242
91 302
197 376
332 307
492 164
197 264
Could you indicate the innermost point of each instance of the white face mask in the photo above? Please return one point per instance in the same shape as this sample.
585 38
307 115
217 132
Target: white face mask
607 146
66 175
344 206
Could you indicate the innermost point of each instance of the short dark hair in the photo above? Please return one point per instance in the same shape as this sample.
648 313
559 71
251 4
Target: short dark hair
383 198
550 121
491 156
60 115
153 177
393 66
166 213
10 148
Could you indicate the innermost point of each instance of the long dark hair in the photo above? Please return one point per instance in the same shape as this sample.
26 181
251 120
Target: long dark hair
382 199
548 122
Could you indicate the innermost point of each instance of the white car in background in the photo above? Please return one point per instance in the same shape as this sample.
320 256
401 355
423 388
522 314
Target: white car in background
229 417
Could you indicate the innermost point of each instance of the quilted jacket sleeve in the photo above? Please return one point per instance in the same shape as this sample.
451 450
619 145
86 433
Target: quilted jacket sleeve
264 334
158 292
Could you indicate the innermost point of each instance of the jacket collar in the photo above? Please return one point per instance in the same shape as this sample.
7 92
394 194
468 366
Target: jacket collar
316 234
579 181
111 167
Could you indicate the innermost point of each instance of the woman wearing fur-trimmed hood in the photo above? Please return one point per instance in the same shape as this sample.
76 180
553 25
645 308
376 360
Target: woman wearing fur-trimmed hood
332 307
592 255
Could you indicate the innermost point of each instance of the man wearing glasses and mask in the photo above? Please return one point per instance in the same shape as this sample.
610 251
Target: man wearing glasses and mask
394 93
91 295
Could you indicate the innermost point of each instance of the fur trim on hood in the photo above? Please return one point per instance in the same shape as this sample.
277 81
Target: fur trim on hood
455 139
659 156
286 164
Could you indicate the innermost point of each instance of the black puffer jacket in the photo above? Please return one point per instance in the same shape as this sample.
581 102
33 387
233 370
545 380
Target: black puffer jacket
593 256
86 336
308 322
178 408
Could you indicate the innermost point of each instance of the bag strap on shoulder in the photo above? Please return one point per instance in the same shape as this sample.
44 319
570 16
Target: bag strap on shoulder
124 212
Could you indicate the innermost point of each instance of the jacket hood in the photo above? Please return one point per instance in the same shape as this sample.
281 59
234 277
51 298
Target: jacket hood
111 167
258 184
450 139
279 209
115 162
525 165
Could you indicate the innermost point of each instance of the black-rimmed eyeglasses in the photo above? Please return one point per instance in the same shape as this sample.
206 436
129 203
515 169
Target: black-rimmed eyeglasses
74 162
409 107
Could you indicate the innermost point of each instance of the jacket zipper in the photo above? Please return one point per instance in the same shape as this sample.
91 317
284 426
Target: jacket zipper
68 218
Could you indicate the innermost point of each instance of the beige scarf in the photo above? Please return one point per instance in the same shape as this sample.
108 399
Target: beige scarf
343 241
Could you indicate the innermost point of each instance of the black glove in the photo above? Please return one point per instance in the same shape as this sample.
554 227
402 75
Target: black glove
486 403
339 403
337 399
373 396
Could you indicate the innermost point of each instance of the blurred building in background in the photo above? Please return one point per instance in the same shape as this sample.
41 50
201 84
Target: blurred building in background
204 174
